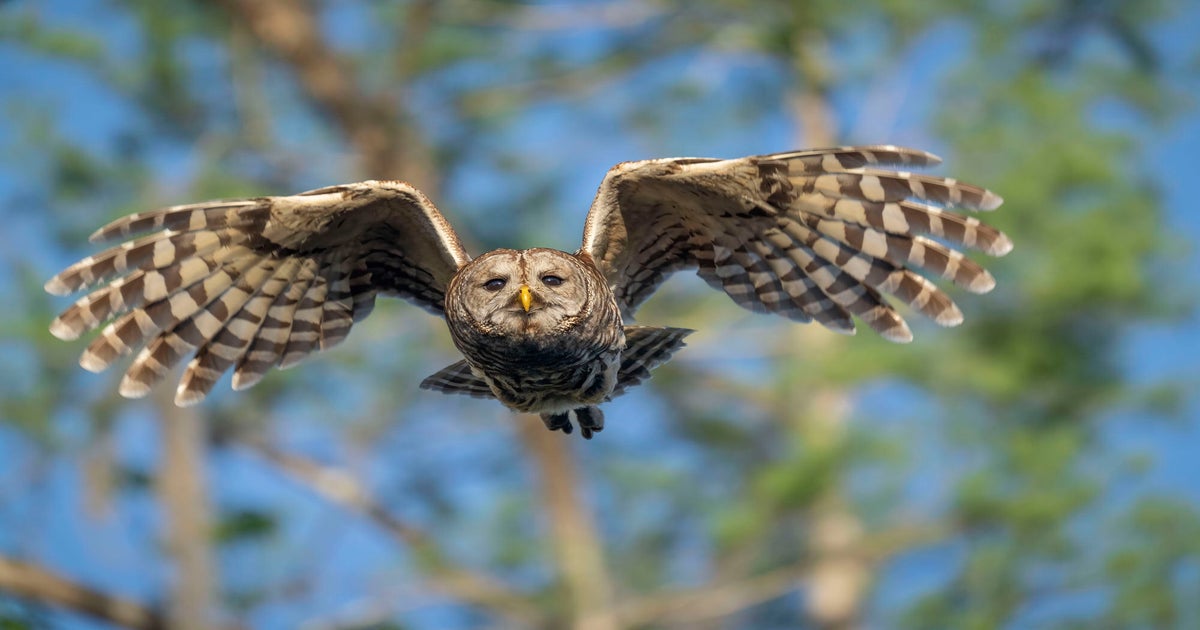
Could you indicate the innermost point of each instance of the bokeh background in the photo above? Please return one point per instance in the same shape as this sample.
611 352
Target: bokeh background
1038 467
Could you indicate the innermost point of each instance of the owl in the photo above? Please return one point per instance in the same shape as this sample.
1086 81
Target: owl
250 284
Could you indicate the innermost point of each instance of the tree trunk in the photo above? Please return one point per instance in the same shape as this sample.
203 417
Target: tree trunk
577 546
183 494
838 577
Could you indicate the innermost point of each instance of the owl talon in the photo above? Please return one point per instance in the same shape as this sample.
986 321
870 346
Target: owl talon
558 422
590 420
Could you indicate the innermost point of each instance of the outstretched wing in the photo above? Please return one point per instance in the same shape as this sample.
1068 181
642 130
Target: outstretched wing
817 234
253 283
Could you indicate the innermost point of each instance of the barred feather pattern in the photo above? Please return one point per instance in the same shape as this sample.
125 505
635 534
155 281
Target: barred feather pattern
251 284
827 235
458 378
821 234
646 347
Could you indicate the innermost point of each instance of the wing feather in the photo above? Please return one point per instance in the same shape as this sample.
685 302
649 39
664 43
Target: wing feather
227 347
818 234
272 339
252 283
229 289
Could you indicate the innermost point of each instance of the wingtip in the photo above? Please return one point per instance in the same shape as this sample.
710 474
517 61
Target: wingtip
950 317
931 159
898 334
187 397
990 201
243 380
92 363
100 235
55 286
63 331
1002 246
132 388
982 283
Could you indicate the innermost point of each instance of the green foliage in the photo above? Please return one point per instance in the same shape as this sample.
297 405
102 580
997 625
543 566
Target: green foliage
245 525
1156 566
1047 105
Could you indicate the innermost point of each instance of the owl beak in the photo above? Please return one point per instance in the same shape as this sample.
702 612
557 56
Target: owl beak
526 297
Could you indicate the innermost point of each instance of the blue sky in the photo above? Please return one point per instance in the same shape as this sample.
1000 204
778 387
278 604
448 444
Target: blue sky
46 523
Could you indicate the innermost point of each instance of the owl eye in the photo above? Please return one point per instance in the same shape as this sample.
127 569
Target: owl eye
551 280
495 284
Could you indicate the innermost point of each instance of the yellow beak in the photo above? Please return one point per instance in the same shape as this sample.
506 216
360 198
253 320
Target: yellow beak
526 297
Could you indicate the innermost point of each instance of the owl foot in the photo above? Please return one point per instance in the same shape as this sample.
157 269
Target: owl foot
590 419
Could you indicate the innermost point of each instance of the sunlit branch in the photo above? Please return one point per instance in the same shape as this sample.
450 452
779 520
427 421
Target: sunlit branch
720 600
577 545
714 601
290 31
183 493
339 486
29 581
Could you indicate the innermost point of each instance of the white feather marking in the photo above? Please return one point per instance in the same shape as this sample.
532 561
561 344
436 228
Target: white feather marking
872 188
916 255
858 267
207 324
164 253
197 221
875 243
182 305
894 220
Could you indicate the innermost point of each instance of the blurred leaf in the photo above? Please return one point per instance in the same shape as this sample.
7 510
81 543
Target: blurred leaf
245 525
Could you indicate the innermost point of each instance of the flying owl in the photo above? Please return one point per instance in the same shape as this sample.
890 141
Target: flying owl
248 284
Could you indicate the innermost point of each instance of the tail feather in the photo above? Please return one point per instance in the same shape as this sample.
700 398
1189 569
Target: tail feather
646 347
457 378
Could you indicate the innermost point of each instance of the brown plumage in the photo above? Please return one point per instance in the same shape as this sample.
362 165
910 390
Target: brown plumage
822 234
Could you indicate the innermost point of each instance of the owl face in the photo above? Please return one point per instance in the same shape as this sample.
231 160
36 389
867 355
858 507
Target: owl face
523 293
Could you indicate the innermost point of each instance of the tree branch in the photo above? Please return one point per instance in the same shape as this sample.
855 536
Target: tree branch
36 583
183 494
719 600
289 30
709 602
838 574
339 486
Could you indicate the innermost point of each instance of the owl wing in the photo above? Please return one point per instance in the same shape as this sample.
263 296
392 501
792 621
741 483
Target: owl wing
253 283
817 234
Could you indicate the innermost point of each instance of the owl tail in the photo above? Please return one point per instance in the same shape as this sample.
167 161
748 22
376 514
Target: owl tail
646 347
457 378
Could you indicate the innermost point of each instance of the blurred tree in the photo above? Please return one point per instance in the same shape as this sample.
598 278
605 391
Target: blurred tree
755 483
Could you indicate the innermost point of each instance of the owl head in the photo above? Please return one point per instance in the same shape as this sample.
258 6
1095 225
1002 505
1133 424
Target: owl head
523 294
